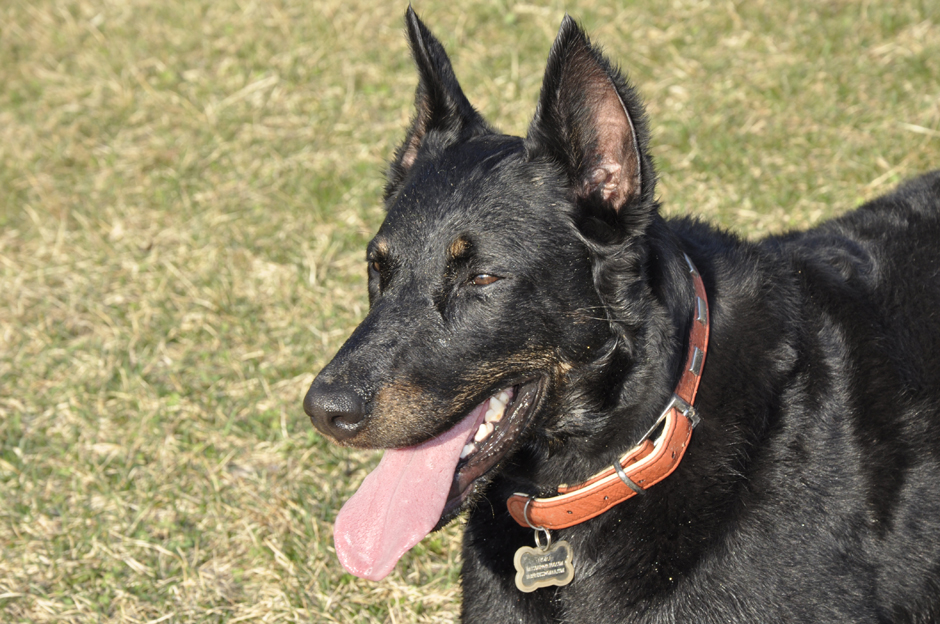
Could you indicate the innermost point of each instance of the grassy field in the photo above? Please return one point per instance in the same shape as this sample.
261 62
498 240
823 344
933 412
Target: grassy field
186 188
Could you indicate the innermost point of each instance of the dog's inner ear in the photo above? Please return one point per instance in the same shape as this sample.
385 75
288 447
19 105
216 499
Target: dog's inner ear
583 122
612 167
440 103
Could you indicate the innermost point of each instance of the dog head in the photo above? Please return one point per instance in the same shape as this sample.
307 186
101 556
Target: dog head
491 296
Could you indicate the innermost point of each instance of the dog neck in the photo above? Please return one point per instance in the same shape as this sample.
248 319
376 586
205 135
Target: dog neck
644 465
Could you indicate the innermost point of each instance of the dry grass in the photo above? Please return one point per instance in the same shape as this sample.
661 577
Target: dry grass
185 192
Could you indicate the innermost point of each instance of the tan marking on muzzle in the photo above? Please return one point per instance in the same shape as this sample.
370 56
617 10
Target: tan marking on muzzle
399 416
404 413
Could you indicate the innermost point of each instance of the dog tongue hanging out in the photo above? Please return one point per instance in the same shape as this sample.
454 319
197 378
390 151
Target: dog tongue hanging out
399 503
534 355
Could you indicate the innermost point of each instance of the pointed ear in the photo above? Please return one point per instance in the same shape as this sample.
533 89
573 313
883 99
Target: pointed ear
591 122
441 105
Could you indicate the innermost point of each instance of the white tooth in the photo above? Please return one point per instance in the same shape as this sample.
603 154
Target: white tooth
484 430
494 416
497 402
467 449
504 397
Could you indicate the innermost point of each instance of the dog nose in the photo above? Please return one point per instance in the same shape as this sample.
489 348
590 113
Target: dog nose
336 412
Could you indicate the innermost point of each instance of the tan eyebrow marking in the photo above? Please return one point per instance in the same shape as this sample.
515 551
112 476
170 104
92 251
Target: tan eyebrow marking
380 248
458 247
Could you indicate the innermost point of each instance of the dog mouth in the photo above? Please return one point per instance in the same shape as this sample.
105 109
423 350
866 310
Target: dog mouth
502 418
416 490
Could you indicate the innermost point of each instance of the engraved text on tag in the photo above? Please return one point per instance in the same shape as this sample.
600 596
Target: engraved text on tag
537 567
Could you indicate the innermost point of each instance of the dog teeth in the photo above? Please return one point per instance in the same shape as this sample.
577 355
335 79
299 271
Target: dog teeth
494 414
469 448
497 407
484 431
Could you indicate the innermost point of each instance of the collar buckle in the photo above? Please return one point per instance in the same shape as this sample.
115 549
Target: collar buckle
680 405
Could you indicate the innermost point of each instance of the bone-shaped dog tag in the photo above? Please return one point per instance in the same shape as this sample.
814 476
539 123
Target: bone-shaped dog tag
541 567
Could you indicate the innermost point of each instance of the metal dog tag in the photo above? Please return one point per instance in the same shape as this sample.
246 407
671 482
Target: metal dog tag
541 567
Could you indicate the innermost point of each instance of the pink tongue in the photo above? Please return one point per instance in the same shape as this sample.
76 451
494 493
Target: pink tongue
399 502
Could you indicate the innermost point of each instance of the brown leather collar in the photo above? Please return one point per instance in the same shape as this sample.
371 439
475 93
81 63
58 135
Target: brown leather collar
644 465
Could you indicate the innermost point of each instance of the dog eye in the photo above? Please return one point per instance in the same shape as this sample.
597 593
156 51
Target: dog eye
375 266
483 280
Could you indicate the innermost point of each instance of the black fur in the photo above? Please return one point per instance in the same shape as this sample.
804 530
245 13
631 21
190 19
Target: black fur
810 490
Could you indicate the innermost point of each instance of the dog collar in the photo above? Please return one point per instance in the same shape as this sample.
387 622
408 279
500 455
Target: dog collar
644 465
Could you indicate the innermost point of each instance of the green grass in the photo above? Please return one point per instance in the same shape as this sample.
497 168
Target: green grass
186 189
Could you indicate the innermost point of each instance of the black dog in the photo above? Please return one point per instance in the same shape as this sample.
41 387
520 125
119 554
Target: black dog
534 321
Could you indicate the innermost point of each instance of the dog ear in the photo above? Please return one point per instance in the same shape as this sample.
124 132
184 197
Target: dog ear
441 105
590 121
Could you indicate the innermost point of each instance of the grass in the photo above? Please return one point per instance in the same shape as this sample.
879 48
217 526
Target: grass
186 189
